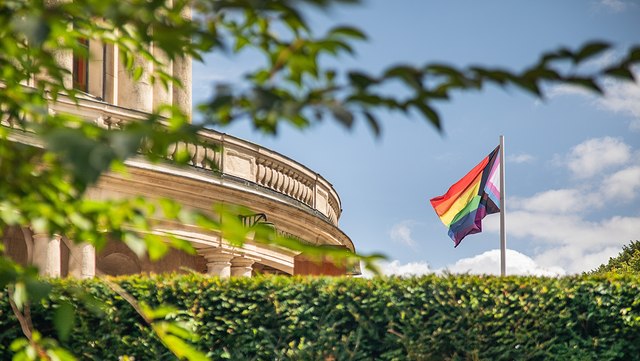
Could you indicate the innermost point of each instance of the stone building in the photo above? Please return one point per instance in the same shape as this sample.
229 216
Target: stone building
293 198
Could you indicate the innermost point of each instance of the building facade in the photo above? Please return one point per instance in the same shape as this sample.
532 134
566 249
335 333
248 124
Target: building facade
297 201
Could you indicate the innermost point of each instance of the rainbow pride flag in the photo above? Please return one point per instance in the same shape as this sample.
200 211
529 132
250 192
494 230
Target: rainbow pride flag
470 199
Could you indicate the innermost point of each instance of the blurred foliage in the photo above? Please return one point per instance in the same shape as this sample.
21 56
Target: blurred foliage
49 160
626 262
427 318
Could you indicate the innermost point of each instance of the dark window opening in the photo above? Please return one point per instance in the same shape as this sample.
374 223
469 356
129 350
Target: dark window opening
81 67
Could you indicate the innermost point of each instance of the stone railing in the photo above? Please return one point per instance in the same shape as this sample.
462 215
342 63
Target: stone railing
232 157
250 162
280 177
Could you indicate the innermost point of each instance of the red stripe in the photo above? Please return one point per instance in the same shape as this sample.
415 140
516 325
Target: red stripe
442 203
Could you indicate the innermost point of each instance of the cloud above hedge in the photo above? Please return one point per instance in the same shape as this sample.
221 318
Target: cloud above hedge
489 263
580 226
485 263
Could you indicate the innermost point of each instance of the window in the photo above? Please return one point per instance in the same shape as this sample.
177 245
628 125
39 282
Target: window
81 67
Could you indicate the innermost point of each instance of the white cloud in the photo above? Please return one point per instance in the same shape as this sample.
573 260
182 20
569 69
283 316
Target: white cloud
516 264
558 219
576 259
620 97
568 237
551 201
566 89
401 233
570 240
602 60
407 269
572 229
622 185
485 263
395 268
594 155
614 5
520 158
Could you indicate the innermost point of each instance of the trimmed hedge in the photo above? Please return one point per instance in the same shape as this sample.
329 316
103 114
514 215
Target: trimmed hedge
427 318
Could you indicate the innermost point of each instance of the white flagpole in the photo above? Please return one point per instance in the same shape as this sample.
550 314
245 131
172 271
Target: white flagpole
503 235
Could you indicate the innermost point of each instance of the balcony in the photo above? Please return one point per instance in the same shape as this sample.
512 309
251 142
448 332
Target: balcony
296 200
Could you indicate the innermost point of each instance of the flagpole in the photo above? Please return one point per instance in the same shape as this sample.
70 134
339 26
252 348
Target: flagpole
503 209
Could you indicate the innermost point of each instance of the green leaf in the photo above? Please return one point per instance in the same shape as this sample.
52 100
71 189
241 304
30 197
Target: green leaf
528 84
160 312
590 50
361 80
348 31
429 113
125 144
587 83
18 344
183 349
156 247
373 123
241 43
59 353
137 73
20 296
408 74
295 21
63 320
135 243
620 72
37 289
342 114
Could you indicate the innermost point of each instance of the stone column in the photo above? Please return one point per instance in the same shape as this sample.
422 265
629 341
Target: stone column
182 94
162 95
135 94
219 263
82 260
241 267
182 71
46 254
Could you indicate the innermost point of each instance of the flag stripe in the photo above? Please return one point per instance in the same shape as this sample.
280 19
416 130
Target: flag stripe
460 203
469 207
493 184
443 203
470 199
466 226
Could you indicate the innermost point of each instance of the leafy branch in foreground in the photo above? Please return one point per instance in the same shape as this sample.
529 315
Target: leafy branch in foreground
288 90
49 160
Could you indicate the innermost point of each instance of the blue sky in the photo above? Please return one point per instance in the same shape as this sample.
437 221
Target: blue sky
573 160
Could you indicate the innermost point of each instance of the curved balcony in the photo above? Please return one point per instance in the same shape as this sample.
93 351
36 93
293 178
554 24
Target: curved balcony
298 201
232 158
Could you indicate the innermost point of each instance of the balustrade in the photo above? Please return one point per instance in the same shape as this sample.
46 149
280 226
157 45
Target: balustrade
227 155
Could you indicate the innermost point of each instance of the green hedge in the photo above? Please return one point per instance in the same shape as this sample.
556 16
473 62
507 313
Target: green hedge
428 318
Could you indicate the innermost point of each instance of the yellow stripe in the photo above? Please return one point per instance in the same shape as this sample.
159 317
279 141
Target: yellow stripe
460 203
